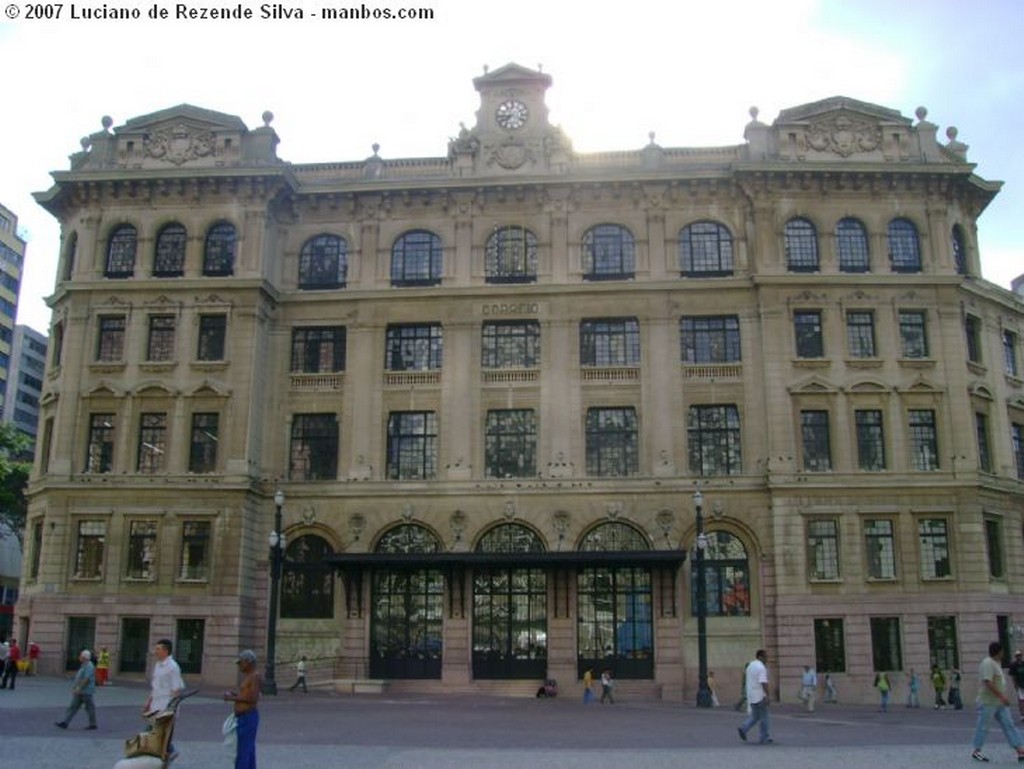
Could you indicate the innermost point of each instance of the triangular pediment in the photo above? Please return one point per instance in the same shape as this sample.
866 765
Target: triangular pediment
154 389
184 113
868 386
840 104
210 389
814 385
921 386
512 74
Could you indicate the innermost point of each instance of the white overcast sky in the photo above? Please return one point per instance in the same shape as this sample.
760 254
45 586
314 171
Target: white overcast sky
687 70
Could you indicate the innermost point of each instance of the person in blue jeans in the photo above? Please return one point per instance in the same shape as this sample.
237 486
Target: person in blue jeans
247 717
757 697
994 703
82 690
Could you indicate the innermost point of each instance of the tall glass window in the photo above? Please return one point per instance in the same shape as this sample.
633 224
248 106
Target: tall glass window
609 253
416 259
880 548
852 245
121 248
412 445
318 349
611 442
817 451
169 258
510 255
727 577
810 341
100 454
886 647
194 563
414 347
92 537
823 548
314 447
714 440
610 342
160 345
202 455
860 333
933 540
904 248
913 335
307 581
870 439
710 339
924 444
705 250
110 341
152 456
141 562
510 344
510 443
219 250
801 240
323 263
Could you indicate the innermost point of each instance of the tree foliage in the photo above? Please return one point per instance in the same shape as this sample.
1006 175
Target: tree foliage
14 472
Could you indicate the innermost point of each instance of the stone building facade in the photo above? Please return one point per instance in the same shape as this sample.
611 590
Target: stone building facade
488 385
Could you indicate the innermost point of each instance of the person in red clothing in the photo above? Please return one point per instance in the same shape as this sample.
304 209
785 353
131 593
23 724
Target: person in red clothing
33 657
11 668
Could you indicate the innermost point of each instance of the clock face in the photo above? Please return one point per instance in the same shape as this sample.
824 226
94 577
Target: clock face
511 114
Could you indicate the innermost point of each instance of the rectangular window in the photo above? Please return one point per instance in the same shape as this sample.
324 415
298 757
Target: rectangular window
714 440
110 343
314 447
610 342
817 452
886 651
860 334
412 445
611 442
880 549
212 337
152 457
913 336
933 537
810 341
1010 364
414 347
92 537
981 432
141 550
510 443
710 339
972 332
318 350
160 345
994 548
870 439
202 455
511 344
188 645
100 455
942 645
37 550
823 548
924 445
829 646
1017 438
195 551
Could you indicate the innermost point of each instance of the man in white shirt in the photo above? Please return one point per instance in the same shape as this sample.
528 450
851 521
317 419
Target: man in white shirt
165 684
757 698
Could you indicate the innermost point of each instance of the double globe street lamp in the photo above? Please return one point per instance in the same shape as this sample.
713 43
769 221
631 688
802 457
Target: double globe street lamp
276 560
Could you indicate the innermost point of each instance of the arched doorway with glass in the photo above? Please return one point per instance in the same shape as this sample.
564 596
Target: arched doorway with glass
407 609
727 575
614 614
510 609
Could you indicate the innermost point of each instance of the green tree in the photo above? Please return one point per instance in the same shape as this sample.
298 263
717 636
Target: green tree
14 472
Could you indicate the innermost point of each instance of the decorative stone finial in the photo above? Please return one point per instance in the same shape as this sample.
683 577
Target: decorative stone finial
486 69
921 112
650 136
106 121
376 148
951 133
540 67
86 143
754 112
268 118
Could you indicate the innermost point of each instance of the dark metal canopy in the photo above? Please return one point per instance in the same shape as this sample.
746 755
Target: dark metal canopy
543 559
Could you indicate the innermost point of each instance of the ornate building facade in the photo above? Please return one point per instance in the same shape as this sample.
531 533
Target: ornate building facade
488 385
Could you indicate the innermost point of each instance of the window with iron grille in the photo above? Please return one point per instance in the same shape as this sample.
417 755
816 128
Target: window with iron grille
904 248
323 263
714 440
416 259
412 445
511 344
933 539
801 240
160 345
611 442
169 256
307 579
870 439
994 547
886 649
314 447
219 250
110 341
924 444
705 250
202 455
981 432
195 551
510 255
212 337
121 249
852 245
860 333
610 342
609 253
810 341
972 333
959 250
829 645
942 644
152 456
510 443
416 347
100 455
913 336
1010 353
823 548
318 349
141 550
880 549
817 452
92 537
710 339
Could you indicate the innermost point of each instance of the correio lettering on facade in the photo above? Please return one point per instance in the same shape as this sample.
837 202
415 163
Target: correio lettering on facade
512 308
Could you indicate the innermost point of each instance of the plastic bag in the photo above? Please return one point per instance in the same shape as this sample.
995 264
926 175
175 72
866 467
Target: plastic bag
230 731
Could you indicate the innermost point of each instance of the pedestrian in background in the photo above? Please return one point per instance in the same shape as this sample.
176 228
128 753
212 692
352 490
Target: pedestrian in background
300 673
954 689
102 667
588 686
33 657
756 678
711 687
994 702
809 687
884 687
1017 675
913 690
831 695
83 687
939 684
607 685
10 672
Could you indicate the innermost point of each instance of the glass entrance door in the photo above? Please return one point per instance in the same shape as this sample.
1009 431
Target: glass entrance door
510 624
407 624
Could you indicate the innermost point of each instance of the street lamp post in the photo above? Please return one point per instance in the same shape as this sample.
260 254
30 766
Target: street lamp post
703 690
276 558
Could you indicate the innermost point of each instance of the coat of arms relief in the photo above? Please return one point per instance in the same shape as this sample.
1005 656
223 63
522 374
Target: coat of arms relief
844 135
179 143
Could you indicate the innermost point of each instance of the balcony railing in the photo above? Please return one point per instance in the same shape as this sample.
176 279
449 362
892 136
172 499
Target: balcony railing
610 374
411 378
713 371
318 382
510 375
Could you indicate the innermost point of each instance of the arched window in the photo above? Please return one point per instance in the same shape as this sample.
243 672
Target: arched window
904 248
219 251
510 538
323 263
959 249
408 609
307 582
801 246
852 245
609 253
727 575
510 256
416 259
614 607
121 252
705 250
169 257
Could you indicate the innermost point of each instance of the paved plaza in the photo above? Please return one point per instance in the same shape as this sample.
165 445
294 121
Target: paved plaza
321 730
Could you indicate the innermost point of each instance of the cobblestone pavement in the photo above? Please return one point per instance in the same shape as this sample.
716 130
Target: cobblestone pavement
429 732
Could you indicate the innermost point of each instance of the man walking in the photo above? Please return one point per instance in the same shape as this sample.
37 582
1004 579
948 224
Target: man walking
994 702
165 685
1017 675
809 687
757 698
300 672
11 667
82 689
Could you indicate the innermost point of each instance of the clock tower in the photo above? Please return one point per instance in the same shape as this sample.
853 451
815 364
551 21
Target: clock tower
512 134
